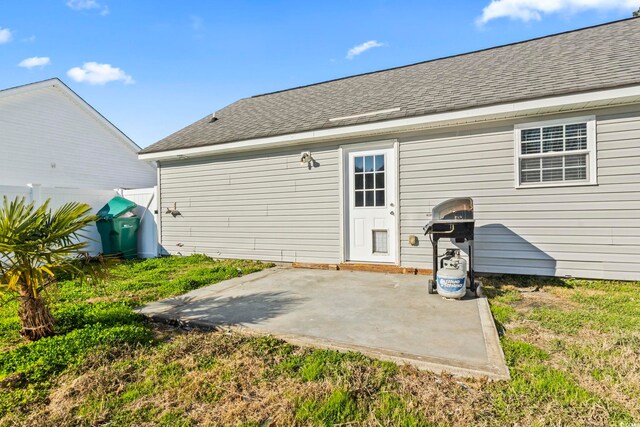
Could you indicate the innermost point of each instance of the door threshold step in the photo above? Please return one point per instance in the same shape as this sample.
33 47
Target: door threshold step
379 268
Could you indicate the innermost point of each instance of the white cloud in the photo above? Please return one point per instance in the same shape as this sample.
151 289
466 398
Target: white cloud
528 10
99 74
88 5
357 50
5 35
83 4
29 39
36 61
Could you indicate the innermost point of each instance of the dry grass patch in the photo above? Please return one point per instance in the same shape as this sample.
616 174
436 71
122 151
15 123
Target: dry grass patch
222 378
197 379
572 348
586 330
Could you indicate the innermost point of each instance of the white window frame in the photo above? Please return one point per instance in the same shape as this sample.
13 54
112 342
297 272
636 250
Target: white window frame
592 161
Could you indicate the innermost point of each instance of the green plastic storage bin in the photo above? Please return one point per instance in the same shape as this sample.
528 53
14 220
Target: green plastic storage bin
119 234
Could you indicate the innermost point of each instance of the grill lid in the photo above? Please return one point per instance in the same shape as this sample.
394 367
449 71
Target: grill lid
452 217
460 208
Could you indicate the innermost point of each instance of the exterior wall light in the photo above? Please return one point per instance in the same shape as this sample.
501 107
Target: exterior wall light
305 158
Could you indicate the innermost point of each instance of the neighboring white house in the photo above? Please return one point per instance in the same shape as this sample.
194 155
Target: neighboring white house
544 135
52 137
54 146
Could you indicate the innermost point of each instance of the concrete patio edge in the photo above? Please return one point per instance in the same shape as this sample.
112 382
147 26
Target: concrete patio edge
495 368
492 339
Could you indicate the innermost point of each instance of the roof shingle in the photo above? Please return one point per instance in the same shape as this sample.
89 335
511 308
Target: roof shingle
581 60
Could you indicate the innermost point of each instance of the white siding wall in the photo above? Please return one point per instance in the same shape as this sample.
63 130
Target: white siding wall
589 231
47 138
264 206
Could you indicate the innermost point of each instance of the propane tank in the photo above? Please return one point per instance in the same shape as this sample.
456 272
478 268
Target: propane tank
452 277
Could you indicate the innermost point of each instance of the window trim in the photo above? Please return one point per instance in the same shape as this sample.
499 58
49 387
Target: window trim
592 161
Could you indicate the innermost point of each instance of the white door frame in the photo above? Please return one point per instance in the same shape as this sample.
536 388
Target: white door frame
343 165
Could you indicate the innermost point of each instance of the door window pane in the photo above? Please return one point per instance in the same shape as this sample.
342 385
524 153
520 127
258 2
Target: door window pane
368 164
380 198
359 164
380 162
368 198
359 182
359 198
368 181
380 180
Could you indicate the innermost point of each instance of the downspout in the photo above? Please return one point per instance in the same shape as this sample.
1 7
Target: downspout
160 248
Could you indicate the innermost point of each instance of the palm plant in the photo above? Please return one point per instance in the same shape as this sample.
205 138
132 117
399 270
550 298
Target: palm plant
37 245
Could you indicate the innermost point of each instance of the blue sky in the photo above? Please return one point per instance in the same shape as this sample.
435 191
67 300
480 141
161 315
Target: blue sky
153 67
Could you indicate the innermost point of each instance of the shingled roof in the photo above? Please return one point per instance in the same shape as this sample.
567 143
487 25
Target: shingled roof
592 58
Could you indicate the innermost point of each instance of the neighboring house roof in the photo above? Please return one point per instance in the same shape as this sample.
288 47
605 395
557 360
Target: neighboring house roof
56 82
577 61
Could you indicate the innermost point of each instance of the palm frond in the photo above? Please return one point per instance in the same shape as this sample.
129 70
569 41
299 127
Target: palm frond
38 243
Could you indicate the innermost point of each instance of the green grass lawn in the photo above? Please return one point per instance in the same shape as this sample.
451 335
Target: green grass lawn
572 348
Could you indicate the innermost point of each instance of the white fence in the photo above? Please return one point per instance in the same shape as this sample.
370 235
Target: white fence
147 210
147 235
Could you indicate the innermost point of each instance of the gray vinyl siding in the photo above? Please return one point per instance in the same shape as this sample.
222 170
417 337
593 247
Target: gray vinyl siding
265 205
582 231
259 205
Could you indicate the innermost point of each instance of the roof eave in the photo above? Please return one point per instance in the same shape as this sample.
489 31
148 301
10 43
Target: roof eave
534 107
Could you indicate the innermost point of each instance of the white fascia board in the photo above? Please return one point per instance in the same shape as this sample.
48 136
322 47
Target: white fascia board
481 114
29 87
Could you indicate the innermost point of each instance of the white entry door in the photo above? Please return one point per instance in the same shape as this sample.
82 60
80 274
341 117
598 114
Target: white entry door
371 198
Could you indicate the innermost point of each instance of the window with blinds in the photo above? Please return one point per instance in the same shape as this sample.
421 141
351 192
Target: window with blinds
555 153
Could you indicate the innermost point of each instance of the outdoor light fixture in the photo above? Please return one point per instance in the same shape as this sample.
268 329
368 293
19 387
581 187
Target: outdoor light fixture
175 212
305 158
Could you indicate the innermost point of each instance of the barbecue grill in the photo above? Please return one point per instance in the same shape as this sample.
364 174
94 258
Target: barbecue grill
452 219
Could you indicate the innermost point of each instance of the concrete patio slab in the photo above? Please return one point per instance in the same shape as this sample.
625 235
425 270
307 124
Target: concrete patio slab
387 316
